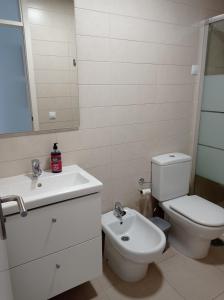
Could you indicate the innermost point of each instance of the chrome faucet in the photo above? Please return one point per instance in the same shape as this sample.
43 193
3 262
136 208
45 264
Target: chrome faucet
119 211
21 206
36 168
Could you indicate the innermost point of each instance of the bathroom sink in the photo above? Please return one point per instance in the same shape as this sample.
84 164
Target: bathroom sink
48 188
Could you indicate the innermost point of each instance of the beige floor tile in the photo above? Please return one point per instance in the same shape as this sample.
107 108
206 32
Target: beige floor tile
108 278
220 297
174 275
195 280
215 257
84 291
170 252
154 286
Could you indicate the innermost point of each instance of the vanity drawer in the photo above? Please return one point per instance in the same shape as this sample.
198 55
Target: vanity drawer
52 228
49 276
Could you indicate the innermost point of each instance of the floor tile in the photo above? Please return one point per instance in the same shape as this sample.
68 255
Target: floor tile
84 291
220 297
170 252
174 277
195 280
215 257
108 278
154 286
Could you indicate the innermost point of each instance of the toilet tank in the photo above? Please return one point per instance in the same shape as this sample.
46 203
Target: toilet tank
170 175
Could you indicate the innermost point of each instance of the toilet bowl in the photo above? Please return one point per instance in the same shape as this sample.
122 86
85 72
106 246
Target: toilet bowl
194 220
131 244
194 223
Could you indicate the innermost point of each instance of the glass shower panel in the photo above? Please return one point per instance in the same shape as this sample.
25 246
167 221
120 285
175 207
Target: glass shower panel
210 154
211 130
213 99
210 164
215 49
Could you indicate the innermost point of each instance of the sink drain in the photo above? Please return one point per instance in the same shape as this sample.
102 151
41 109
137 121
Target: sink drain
125 238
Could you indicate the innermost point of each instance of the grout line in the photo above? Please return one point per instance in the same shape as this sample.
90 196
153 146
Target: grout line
173 287
109 13
133 63
139 84
135 104
141 104
135 123
170 283
131 40
184 3
109 145
220 294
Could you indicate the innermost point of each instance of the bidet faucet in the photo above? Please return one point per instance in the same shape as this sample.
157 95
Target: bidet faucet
119 211
36 168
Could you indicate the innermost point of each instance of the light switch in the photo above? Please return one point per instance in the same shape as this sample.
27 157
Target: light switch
52 115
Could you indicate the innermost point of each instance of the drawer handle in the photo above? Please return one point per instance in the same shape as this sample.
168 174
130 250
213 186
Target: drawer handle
54 220
58 266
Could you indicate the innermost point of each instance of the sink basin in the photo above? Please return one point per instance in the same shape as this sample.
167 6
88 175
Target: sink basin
48 188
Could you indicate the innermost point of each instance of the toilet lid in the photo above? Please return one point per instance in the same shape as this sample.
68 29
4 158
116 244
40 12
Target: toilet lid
199 210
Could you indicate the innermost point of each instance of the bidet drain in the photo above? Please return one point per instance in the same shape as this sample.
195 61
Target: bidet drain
125 238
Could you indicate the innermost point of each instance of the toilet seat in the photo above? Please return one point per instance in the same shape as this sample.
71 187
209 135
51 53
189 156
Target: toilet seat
198 210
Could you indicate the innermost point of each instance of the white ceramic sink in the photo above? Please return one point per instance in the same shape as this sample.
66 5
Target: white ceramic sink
48 188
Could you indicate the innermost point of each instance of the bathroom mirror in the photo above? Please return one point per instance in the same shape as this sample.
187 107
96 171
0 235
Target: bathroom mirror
38 80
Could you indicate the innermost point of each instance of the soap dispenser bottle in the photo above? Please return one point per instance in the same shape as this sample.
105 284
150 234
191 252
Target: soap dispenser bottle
56 163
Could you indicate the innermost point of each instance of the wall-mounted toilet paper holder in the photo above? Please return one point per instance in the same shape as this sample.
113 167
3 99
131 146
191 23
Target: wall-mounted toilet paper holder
142 181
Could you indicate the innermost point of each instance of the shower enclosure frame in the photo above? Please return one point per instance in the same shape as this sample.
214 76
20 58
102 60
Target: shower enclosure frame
202 54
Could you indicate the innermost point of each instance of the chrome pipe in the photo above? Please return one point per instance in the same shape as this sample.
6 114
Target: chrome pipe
18 200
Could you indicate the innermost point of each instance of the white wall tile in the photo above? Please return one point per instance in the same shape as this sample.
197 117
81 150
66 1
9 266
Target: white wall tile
175 55
135 89
94 95
132 94
129 73
174 75
154 10
95 117
92 23
144 30
101 5
132 51
175 93
94 72
49 48
93 48
52 62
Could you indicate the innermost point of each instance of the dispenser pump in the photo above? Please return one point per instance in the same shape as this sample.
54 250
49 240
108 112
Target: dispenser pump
55 147
56 162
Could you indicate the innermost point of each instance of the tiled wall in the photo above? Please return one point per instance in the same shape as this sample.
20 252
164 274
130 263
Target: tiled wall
136 92
52 34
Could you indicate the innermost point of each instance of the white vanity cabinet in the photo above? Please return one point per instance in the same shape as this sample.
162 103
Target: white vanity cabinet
54 248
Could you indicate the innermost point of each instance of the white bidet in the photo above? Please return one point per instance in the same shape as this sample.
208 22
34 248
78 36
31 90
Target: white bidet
131 243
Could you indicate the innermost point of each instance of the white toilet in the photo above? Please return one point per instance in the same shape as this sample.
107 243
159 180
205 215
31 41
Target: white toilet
131 244
194 220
